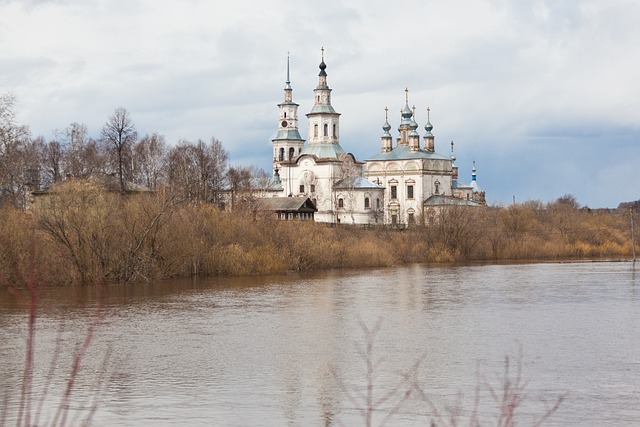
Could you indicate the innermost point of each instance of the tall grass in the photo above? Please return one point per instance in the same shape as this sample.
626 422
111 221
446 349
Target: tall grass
90 236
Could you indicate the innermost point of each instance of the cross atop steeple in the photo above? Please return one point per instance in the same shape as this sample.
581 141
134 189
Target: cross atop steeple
288 78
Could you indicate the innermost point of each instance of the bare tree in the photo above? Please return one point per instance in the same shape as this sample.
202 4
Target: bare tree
83 156
561 216
197 171
219 165
239 178
19 157
148 157
53 153
120 132
458 229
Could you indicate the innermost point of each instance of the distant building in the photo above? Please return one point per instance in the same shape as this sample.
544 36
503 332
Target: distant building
322 170
100 181
400 185
415 177
288 208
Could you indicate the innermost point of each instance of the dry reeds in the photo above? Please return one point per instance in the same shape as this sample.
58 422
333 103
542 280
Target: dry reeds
91 235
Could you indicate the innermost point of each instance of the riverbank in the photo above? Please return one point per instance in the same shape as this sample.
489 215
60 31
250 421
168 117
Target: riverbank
85 236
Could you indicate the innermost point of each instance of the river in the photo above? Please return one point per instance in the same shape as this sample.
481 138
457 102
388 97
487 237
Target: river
293 350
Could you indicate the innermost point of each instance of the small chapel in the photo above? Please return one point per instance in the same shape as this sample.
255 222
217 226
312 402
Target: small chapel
403 184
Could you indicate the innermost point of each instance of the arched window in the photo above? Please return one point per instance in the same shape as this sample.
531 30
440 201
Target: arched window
367 204
334 131
281 154
315 130
377 203
340 203
292 152
437 185
285 114
326 129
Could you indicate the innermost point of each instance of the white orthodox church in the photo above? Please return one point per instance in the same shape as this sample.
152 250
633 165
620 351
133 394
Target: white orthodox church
403 184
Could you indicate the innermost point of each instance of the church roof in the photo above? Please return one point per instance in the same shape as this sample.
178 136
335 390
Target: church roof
476 187
322 108
441 200
355 182
287 134
456 184
323 150
290 204
403 152
266 184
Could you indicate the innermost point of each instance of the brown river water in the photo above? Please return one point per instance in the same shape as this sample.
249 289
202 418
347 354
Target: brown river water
291 350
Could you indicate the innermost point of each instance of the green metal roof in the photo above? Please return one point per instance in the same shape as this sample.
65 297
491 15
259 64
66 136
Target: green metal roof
355 183
292 134
323 150
402 152
322 108
441 200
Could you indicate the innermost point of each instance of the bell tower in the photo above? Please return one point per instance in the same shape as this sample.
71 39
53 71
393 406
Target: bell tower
324 122
287 144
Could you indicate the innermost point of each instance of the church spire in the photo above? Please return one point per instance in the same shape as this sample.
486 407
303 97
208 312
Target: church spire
288 90
288 82
386 139
406 121
429 139
453 156
287 144
454 168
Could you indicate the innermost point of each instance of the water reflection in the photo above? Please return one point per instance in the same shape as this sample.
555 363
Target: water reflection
276 350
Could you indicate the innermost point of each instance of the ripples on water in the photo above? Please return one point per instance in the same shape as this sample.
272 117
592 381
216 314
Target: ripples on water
282 350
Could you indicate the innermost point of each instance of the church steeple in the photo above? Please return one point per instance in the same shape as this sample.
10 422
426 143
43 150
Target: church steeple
414 137
454 168
287 144
324 122
288 91
386 139
429 139
406 121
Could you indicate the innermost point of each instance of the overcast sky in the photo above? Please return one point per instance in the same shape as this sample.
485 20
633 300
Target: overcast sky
543 95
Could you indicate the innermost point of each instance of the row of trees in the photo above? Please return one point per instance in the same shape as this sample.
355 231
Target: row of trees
195 171
85 235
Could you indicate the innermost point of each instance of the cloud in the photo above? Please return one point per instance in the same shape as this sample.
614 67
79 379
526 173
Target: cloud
538 93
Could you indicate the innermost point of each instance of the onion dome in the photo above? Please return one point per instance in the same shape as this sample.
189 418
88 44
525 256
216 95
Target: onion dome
386 127
453 156
322 65
406 111
429 127
413 125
